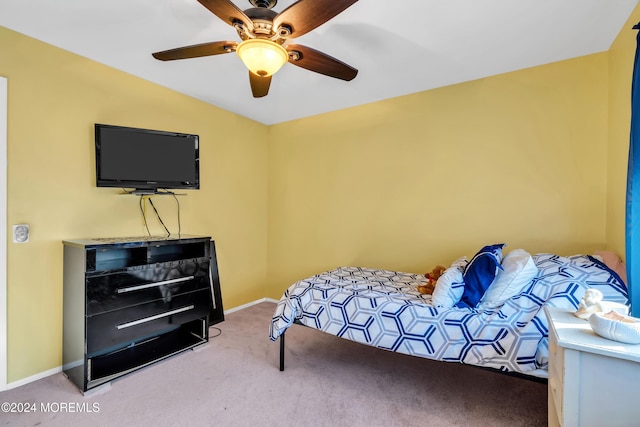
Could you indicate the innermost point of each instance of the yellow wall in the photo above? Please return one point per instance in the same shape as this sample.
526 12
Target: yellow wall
401 184
54 99
621 57
419 180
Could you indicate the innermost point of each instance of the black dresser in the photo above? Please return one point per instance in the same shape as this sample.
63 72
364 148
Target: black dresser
130 302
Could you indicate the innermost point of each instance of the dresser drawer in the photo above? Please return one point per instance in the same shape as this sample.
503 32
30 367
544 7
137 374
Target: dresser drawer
556 390
141 285
112 330
556 372
556 356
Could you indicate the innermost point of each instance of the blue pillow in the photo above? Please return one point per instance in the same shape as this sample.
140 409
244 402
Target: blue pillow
480 273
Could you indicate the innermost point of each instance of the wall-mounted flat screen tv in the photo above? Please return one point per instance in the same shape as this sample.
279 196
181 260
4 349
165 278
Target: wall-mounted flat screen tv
146 160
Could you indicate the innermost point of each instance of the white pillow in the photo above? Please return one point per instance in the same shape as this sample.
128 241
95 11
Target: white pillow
450 285
518 271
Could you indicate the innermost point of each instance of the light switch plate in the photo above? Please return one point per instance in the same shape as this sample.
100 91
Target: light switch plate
21 233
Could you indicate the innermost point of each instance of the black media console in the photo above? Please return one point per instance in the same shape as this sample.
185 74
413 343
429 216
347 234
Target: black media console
130 302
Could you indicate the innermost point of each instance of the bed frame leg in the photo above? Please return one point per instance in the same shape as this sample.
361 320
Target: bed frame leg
282 352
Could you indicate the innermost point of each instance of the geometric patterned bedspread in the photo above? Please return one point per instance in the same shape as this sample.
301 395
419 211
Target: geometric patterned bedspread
384 309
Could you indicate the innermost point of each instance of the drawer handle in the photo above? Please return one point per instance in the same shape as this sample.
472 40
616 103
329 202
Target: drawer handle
155 284
157 316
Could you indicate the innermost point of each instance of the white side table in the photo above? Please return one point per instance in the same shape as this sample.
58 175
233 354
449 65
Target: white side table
593 381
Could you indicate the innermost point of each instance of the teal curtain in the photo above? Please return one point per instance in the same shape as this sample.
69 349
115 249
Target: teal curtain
633 189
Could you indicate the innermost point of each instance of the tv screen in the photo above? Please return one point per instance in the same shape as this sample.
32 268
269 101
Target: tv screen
146 160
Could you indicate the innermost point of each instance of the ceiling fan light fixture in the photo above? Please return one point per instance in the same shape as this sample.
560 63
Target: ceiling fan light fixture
262 57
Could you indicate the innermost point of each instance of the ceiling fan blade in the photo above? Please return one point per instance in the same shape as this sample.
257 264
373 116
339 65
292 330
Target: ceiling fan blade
225 10
305 15
259 85
196 50
314 60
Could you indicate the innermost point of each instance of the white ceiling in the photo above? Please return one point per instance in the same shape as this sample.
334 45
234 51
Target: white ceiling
399 47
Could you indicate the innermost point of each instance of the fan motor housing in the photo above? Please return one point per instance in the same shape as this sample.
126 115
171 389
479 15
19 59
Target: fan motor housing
261 25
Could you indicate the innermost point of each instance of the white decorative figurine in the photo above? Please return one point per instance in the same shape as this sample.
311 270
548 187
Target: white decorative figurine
589 304
592 303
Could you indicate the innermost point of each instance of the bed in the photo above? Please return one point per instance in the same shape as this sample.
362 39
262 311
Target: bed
384 309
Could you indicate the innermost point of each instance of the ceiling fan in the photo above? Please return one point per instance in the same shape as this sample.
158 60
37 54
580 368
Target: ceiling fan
265 38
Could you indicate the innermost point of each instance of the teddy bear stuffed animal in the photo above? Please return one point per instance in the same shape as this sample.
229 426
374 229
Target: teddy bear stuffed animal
432 278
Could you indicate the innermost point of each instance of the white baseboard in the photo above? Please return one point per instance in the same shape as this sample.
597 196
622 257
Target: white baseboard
249 304
33 378
54 371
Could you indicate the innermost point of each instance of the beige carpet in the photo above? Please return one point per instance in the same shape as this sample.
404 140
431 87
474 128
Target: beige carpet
328 381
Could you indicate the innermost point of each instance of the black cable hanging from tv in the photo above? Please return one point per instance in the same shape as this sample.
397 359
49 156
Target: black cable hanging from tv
158 216
144 216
